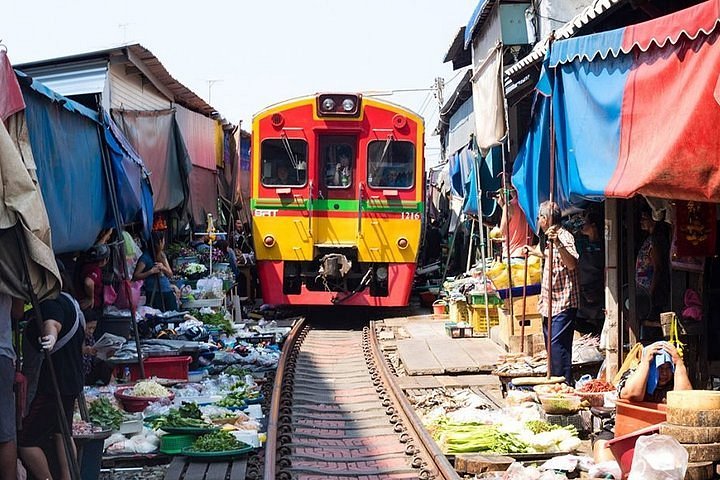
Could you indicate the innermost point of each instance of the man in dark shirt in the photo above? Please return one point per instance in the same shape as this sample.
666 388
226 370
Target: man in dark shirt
62 334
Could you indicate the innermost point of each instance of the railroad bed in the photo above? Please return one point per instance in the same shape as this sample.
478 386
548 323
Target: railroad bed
337 413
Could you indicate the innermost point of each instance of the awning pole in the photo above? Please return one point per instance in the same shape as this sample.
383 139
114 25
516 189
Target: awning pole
552 248
109 178
478 190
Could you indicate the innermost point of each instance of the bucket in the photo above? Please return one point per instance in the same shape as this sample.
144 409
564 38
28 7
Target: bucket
439 307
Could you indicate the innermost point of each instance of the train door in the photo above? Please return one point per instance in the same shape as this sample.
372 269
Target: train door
337 167
338 176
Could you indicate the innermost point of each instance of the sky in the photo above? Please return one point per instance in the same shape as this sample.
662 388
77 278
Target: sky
244 55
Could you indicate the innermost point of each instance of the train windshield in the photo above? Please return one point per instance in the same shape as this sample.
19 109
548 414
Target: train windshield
391 164
284 162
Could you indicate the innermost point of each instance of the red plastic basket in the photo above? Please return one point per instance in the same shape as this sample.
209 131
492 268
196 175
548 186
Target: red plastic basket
163 367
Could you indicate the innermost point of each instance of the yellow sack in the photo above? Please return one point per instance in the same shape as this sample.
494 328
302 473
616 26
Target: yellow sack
631 361
497 273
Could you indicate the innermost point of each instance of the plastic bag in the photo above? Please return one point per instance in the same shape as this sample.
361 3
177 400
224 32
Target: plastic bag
658 457
497 273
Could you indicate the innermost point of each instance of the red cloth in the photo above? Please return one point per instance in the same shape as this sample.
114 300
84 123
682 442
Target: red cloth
695 229
11 99
669 145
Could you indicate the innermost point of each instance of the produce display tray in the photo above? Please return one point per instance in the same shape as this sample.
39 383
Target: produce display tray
195 456
189 430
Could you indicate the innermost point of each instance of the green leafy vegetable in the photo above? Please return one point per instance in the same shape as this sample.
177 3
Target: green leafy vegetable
103 413
217 442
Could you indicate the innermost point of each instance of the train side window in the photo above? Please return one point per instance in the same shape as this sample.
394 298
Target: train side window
391 164
338 164
284 162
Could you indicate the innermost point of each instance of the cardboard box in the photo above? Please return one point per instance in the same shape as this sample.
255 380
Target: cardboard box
531 305
512 327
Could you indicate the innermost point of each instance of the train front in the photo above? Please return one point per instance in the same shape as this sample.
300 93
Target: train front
337 201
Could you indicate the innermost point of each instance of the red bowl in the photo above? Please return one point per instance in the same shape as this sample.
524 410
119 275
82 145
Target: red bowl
133 404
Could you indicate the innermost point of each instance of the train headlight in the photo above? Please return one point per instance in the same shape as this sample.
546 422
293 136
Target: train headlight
338 104
381 273
348 105
269 241
328 105
402 243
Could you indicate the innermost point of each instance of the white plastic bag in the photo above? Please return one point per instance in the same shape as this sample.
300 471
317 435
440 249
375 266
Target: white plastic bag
658 457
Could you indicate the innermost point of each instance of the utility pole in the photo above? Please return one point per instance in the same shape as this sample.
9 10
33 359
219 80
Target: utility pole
210 85
438 86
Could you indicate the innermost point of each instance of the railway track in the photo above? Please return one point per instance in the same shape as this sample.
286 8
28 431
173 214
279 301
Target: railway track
337 413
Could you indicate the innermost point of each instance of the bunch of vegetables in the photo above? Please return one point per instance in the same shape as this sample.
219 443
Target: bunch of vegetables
539 426
469 437
216 319
103 413
219 441
234 399
188 416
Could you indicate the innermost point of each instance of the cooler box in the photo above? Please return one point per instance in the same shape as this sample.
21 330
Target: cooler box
163 367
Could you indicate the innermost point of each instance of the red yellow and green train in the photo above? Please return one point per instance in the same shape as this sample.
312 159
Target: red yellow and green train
337 200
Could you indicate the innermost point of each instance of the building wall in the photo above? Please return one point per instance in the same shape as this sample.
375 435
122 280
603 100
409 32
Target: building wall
553 14
133 92
462 125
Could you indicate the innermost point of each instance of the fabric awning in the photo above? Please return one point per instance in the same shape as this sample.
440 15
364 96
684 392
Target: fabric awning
67 148
489 101
635 112
25 240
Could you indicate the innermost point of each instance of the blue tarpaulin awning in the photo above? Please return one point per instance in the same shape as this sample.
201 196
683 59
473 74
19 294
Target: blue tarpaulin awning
67 150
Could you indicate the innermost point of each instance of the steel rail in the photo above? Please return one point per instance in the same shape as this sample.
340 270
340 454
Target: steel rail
271 445
441 467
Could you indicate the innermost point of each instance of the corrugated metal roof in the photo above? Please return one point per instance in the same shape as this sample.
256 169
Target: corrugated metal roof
481 12
595 10
457 53
144 60
77 78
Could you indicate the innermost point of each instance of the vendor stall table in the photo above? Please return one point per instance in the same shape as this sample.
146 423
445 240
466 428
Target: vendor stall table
180 468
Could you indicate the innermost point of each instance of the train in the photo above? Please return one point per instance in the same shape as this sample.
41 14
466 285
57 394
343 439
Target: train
337 200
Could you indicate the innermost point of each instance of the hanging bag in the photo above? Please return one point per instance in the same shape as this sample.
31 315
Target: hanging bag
631 361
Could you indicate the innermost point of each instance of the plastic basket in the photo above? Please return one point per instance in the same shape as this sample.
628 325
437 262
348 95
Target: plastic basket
476 298
173 444
482 324
175 368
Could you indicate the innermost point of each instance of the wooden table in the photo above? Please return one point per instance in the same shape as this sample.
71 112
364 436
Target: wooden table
181 468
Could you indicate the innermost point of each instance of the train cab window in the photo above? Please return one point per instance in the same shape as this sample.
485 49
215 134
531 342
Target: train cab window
338 165
391 164
284 162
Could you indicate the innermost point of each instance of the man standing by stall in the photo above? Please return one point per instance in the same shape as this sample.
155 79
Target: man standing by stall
559 280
